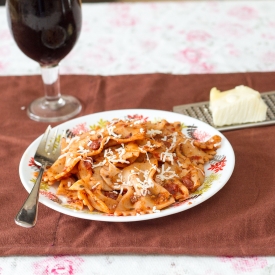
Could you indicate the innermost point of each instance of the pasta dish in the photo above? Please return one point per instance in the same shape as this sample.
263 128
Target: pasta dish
130 167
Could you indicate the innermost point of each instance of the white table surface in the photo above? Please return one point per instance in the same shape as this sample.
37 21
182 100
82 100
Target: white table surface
166 37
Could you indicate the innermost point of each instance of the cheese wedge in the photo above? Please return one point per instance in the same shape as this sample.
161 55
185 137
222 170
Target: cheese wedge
239 105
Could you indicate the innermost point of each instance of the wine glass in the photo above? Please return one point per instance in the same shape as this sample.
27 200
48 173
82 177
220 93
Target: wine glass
46 31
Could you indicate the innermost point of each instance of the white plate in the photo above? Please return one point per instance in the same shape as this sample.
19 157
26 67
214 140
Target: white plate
217 172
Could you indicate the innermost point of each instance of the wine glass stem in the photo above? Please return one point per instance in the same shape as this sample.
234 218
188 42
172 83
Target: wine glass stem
50 77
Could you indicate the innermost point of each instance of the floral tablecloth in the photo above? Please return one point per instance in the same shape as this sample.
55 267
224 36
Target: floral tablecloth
165 37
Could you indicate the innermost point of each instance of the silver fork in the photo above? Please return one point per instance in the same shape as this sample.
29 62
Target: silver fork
46 154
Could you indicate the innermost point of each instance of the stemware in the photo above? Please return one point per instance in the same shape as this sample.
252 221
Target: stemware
46 31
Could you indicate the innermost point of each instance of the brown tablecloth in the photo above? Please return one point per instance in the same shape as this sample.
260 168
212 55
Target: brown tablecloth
238 221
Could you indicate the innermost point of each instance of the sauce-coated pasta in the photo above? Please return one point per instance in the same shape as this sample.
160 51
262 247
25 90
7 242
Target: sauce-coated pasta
130 167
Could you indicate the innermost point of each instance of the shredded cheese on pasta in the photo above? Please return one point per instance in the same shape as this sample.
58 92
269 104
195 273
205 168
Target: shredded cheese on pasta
130 167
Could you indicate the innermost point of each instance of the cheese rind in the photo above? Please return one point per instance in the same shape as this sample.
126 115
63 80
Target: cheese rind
239 105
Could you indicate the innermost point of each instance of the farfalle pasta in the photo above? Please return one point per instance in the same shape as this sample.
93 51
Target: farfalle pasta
130 167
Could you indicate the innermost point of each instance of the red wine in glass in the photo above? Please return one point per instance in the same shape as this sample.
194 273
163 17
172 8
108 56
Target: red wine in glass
46 31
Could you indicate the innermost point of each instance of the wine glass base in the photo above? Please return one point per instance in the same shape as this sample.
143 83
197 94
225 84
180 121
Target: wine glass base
62 109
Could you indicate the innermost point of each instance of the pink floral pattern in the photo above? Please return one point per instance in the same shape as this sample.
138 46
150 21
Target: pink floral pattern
245 265
123 38
218 166
49 195
138 117
243 12
234 30
58 265
80 128
32 163
268 58
198 35
192 55
201 135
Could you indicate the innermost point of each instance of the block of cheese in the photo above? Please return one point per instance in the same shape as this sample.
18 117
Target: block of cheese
239 105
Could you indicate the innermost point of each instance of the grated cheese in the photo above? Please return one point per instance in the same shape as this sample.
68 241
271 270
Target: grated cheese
153 132
217 144
107 140
110 129
70 141
174 140
155 210
102 163
90 160
62 156
148 144
166 174
112 158
167 155
94 186
138 122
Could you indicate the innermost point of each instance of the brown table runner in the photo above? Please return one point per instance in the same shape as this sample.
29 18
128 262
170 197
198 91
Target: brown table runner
238 221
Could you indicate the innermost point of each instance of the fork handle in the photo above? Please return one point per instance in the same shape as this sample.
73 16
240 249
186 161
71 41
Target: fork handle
27 215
